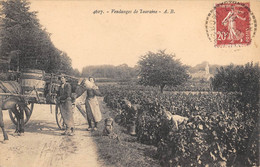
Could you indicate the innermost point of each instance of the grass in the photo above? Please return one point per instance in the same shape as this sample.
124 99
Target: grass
124 153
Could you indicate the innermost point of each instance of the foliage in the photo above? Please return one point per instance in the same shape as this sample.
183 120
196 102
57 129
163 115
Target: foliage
25 43
109 71
241 78
160 69
191 85
75 72
65 65
126 151
217 131
23 38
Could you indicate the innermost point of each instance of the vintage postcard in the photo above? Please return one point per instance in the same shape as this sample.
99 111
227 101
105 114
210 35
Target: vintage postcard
52 48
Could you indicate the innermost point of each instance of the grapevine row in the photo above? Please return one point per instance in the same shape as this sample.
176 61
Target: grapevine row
220 128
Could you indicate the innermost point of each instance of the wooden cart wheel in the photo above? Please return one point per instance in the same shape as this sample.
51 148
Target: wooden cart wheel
59 119
27 113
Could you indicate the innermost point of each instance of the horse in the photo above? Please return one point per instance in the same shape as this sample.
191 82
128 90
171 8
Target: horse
11 103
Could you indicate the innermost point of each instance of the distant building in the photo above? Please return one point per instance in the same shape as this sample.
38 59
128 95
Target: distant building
207 69
202 74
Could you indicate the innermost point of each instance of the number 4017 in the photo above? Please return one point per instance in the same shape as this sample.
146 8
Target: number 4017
221 36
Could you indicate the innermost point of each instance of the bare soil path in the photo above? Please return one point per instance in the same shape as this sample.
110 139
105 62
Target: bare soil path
42 145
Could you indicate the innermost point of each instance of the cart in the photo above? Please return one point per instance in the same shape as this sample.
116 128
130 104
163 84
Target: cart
39 87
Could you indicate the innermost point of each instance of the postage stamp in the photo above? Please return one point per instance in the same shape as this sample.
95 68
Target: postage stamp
231 24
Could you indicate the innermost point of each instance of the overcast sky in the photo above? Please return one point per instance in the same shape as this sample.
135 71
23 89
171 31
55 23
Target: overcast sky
94 39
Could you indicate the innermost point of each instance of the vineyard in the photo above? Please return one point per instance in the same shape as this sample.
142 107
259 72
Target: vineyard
220 131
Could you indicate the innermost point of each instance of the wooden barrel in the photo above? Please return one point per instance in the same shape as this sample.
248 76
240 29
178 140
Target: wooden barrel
31 79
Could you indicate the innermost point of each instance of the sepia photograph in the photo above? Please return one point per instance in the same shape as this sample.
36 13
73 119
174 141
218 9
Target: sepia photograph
129 83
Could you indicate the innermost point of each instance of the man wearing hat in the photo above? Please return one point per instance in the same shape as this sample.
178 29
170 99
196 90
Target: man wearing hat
65 103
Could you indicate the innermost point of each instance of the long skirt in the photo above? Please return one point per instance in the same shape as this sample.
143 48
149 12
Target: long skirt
93 110
67 114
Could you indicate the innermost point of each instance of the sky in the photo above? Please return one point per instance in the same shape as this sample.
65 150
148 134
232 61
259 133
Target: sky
118 38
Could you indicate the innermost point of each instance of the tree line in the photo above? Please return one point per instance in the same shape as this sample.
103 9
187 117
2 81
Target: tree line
122 72
239 78
25 43
160 69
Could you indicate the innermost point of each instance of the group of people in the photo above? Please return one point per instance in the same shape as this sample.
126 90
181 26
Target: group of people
64 99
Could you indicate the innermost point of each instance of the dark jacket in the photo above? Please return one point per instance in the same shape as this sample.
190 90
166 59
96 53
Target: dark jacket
65 93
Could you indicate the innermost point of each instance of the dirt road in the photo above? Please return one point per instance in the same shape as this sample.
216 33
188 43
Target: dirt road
42 145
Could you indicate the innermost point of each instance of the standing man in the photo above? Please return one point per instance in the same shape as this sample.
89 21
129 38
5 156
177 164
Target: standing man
65 104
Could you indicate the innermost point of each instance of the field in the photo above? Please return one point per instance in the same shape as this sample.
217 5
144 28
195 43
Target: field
221 129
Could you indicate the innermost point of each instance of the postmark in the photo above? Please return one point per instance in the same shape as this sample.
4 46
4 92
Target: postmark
231 24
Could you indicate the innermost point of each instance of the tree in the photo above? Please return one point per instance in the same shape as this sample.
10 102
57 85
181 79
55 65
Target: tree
160 69
22 34
76 72
65 63
240 78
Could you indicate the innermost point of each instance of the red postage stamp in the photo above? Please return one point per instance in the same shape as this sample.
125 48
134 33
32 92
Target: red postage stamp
232 24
